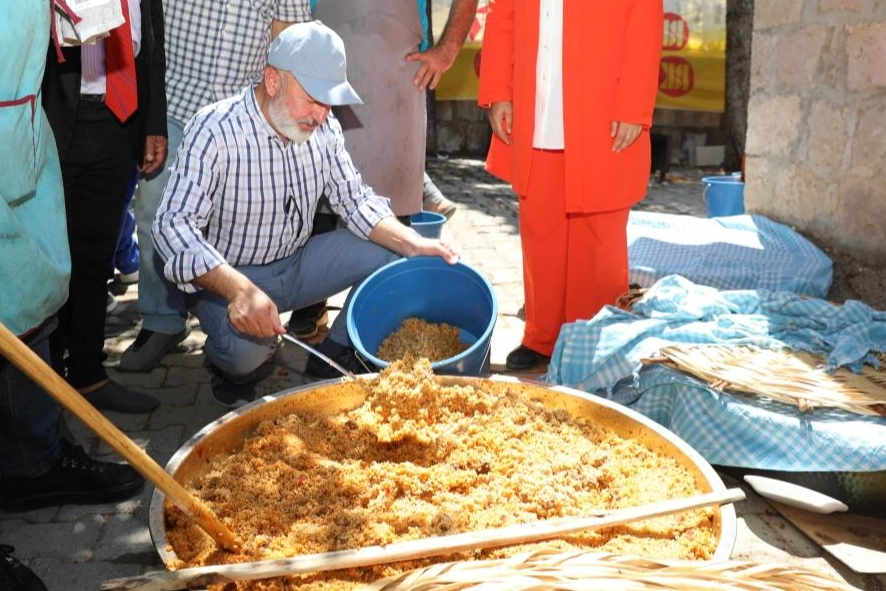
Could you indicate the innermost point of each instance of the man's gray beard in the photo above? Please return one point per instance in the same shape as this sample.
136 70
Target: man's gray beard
289 128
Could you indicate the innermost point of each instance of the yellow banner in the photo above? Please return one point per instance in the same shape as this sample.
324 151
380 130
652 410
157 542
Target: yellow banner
693 57
693 64
460 81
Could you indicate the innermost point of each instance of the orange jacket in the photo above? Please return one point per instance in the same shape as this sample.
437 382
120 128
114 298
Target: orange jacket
611 54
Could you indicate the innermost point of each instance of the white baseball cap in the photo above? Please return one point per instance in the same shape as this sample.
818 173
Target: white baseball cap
315 55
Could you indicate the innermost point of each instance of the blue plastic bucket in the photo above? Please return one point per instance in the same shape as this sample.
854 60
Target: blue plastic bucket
428 223
723 195
435 291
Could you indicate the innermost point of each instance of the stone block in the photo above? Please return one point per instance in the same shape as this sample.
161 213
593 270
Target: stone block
477 138
827 137
866 53
469 111
762 61
798 55
445 110
776 14
449 138
861 213
826 6
774 125
868 143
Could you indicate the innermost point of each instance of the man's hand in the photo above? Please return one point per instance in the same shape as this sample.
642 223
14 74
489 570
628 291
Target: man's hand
405 241
434 62
623 134
501 118
156 148
433 247
250 310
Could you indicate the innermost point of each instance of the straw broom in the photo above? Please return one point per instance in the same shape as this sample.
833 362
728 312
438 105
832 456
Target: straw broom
586 571
791 377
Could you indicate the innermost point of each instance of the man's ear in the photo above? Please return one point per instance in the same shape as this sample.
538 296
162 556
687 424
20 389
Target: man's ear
272 81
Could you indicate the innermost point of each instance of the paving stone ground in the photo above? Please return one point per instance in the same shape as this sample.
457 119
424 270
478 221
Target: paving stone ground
78 547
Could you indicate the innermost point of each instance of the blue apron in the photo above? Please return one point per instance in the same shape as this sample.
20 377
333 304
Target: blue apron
35 262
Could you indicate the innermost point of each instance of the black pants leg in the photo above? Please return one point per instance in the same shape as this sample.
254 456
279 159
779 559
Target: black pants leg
95 171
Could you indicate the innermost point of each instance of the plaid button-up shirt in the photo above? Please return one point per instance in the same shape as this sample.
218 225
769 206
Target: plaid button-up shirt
215 48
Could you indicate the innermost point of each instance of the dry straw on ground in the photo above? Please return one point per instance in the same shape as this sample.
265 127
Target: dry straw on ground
568 571
792 377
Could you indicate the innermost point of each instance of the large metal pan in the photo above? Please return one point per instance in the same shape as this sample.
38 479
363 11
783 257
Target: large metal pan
227 433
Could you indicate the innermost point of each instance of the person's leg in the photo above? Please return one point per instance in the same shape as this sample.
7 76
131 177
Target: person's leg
15 575
327 265
235 354
126 257
95 174
434 200
161 304
233 357
543 236
306 323
39 464
29 418
596 262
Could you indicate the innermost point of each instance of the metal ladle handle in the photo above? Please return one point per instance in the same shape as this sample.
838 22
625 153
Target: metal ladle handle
311 349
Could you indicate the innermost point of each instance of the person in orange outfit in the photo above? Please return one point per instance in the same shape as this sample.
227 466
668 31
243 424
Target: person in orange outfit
570 89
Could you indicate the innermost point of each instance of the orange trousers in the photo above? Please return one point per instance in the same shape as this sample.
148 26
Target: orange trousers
573 263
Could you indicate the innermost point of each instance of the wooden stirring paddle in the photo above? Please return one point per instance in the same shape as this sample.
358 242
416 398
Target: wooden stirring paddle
35 368
413 549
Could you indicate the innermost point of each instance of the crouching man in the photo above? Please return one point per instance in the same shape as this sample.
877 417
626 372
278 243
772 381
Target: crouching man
234 225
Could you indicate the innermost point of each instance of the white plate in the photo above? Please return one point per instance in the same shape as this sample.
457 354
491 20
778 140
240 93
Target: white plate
794 495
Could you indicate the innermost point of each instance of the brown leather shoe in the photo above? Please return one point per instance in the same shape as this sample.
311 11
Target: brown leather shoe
523 358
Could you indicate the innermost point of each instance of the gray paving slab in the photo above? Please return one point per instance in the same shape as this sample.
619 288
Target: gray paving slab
77 548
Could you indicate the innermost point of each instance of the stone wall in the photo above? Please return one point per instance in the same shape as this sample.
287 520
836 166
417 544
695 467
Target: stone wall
816 143
458 127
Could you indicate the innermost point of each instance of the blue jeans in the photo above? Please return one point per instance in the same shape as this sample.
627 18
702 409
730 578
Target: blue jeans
127 256
31 421
160 303
326 265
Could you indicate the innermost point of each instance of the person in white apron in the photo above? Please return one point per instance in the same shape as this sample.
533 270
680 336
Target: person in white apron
386 134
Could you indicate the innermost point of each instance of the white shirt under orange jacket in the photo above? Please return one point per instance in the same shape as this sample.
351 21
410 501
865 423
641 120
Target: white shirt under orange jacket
611 53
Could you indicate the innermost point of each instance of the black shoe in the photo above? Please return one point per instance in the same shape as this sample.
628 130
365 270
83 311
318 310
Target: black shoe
15 576
75 479
232 391
523 358
230 394
306 323
149 348
341 354
113 396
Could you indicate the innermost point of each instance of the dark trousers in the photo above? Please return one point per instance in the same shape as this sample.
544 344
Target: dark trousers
31 422
95 170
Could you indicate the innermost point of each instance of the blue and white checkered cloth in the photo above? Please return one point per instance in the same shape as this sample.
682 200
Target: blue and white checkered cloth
604 356
734 252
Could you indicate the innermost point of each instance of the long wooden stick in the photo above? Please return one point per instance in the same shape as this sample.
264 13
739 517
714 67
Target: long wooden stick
411 550
35 368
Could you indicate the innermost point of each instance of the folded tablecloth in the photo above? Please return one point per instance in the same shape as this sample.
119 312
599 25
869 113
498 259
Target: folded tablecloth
603 356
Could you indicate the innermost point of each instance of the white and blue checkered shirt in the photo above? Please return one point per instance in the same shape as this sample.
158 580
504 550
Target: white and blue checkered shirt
214 49
238 194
